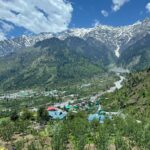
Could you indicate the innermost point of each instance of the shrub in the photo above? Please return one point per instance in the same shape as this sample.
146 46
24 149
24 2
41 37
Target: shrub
14 116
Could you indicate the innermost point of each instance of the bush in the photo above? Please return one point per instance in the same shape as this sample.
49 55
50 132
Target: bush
26 115
14 116
42 115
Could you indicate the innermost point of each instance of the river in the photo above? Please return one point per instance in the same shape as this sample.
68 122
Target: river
117 85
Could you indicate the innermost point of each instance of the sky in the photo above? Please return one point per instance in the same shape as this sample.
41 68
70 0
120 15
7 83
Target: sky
25 17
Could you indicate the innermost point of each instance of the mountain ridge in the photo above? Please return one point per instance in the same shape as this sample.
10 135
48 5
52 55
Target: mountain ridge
52 62
116 39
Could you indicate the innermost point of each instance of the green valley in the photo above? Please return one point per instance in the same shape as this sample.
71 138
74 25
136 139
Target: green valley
69 82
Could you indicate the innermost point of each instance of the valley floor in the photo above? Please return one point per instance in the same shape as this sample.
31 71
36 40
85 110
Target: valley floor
33 131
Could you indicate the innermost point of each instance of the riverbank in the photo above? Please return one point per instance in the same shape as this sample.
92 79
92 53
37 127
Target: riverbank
117 85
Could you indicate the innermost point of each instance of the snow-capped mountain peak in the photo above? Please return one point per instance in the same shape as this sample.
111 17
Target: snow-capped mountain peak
115 38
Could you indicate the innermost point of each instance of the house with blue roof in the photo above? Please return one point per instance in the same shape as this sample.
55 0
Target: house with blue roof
57 114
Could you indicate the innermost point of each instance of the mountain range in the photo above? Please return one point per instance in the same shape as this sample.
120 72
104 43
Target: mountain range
72 55
116 39
54 61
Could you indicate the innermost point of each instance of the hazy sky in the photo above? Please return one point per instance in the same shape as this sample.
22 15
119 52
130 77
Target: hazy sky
19 17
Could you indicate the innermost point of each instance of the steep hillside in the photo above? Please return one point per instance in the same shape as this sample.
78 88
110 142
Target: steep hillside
51 62
49 59
137 56
134 97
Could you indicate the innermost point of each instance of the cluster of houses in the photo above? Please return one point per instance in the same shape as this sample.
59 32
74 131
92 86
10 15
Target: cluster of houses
31 93
71 103
60 111
56 113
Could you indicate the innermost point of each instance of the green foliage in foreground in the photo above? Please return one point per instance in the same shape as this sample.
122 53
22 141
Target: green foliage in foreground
126 132
77 133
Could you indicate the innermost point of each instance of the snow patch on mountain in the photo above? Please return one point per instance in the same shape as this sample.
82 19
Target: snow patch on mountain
116 39
117 51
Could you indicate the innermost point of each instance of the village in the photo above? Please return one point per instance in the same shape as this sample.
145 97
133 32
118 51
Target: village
92 104
59 111
70 103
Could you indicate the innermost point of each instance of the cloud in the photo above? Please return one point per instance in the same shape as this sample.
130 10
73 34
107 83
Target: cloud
148 7
95 23
4 29
117 4
2 36
104 13
37 15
